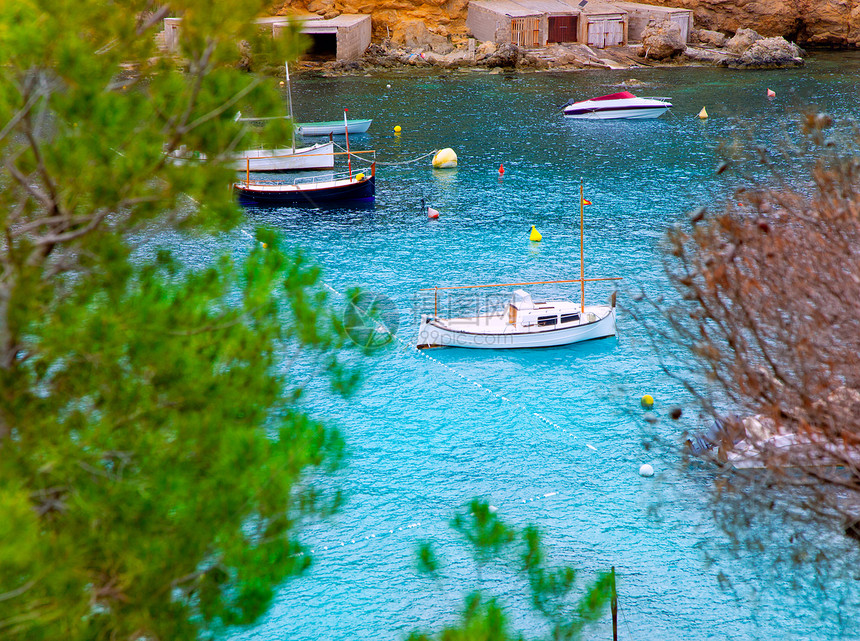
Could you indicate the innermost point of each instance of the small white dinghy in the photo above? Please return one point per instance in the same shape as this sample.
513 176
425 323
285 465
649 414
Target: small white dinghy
524 323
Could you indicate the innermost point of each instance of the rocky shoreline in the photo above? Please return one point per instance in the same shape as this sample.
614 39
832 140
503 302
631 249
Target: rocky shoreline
661 46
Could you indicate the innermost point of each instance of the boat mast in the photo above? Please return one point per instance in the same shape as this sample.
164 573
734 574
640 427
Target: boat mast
614 608
582 248
290 102
346 131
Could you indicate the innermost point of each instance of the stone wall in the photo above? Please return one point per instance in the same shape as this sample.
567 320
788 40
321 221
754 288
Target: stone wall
808 22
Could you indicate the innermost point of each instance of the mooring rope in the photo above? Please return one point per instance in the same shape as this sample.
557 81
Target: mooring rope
413 350
380 162
331 546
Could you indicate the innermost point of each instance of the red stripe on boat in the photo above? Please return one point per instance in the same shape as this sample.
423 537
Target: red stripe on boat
616 96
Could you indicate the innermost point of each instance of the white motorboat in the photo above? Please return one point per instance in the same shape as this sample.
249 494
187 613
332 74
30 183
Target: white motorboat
524 323
617 105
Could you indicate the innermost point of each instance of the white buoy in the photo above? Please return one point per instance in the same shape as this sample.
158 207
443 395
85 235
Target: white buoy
445 159
493 509
646 470
388 86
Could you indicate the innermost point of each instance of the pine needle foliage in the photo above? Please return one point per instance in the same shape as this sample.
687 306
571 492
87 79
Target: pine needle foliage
562 606
153 458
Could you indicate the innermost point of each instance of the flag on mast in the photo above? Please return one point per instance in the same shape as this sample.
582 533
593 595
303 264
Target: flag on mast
586 202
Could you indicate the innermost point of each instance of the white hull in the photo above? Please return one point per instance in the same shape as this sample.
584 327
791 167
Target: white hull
626 114
320 156
617 106
483 332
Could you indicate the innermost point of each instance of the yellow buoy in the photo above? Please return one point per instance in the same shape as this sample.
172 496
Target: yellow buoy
703 113
445 159
535 235
647 401
397 129
359 177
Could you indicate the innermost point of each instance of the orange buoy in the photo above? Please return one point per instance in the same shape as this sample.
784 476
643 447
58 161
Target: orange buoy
770 93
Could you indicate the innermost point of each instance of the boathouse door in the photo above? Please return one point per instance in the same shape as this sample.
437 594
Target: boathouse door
525 32
607 32
562 29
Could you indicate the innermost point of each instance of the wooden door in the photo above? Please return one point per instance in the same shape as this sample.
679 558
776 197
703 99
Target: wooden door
525 32
614 33
562 29
595 34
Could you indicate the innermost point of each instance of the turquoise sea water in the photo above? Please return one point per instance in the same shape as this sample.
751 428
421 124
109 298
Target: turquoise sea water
552 437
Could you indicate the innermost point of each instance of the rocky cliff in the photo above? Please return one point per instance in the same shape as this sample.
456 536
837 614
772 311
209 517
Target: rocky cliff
833 23
391 18
816 23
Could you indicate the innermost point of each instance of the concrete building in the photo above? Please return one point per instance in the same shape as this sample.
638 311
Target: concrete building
536 23
603 25
641 14
345 37
506 21
562 20
342 38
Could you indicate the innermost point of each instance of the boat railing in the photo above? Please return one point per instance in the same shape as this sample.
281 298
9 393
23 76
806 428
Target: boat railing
436 290
305 155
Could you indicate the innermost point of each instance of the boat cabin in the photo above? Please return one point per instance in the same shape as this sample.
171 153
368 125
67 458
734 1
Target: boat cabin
523 312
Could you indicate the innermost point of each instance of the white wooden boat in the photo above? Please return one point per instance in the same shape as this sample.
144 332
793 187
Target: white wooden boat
329 191
525 322
318 156
617 105
332 128
345 190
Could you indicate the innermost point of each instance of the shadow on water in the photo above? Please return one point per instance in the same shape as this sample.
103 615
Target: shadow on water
560 355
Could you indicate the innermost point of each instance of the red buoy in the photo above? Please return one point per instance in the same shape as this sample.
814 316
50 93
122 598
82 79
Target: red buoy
501 170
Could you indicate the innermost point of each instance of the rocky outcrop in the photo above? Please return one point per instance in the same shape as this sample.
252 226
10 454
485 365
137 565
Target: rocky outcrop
808 22
742 40
507 55
662 40
416 35
748 50
446 18
708 37
769 53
